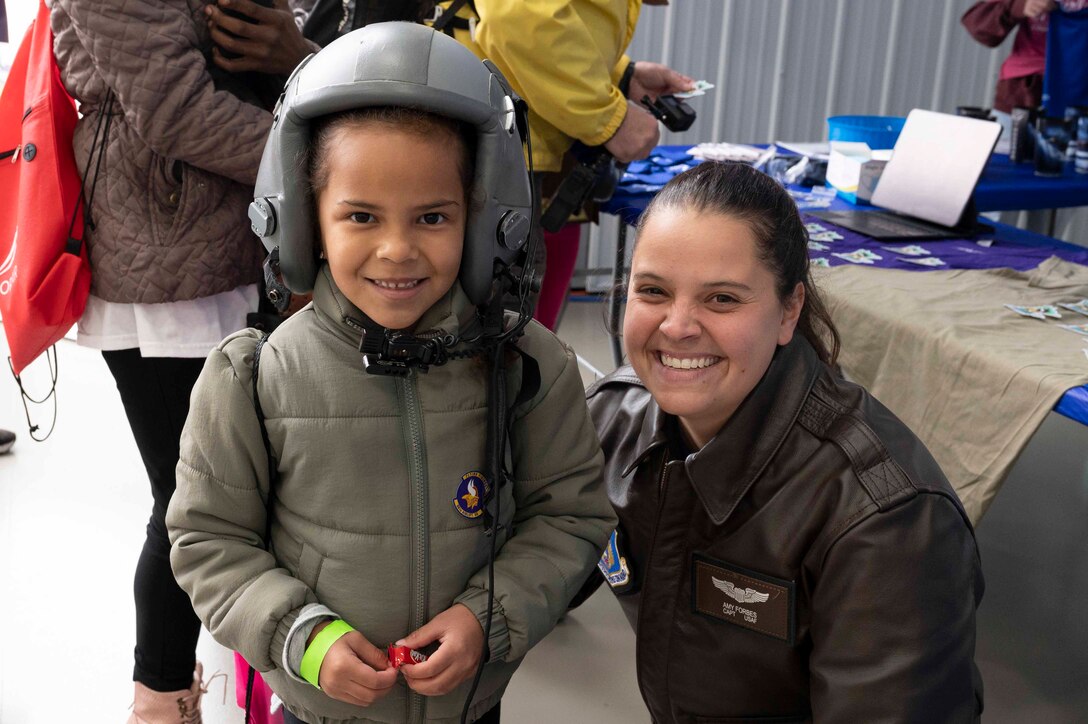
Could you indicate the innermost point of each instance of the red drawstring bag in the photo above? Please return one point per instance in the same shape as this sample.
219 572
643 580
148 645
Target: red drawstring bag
44 271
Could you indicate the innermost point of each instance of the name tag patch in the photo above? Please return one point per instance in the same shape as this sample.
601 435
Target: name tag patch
739 596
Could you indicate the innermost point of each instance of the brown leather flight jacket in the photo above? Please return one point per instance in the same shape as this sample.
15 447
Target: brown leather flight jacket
811 562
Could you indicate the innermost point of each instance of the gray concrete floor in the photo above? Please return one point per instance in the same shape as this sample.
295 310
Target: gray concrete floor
1032 641
72 514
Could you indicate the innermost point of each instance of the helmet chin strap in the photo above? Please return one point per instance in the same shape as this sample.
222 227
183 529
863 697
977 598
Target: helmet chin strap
395 353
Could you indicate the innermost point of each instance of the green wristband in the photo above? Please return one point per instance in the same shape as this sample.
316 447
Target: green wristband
315 652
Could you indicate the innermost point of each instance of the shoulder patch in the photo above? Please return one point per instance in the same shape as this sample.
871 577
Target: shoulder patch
613 565
472 491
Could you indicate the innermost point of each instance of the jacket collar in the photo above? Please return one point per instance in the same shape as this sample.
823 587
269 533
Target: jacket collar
727 466
450 314
652 436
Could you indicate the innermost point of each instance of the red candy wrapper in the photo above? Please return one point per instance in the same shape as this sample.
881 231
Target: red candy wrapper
404 655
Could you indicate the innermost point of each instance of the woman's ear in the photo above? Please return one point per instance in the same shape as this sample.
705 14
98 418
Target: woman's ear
791 312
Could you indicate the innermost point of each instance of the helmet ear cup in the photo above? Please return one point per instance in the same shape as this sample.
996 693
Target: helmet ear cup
398 64
514 230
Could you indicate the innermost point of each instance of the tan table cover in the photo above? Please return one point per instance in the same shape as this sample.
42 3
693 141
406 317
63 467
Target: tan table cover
973 379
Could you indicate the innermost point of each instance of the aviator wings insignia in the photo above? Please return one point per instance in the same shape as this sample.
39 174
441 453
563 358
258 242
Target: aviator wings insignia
740 595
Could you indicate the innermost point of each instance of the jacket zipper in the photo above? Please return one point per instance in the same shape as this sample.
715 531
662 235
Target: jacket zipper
646 579
417 478
661 490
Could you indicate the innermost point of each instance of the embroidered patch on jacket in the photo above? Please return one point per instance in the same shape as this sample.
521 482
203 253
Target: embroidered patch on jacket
471 494
739 596
613 565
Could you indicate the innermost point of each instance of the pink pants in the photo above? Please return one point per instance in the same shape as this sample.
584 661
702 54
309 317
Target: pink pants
562 249
262 695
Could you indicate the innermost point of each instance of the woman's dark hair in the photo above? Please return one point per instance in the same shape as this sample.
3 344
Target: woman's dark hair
412 120
739 191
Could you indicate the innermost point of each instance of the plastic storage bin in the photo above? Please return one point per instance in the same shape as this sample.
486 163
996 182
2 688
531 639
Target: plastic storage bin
877 131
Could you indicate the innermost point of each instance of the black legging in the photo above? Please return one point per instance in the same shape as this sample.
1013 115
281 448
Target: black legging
155 393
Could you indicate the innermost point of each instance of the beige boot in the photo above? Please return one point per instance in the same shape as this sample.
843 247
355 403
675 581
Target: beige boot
169 707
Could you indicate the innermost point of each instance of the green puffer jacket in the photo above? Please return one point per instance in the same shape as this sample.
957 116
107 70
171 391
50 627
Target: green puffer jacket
364 519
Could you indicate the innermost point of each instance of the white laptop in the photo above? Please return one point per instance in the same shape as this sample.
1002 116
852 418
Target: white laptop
929 181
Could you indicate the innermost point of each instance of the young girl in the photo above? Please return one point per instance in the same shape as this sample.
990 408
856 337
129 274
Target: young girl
787 550
378 511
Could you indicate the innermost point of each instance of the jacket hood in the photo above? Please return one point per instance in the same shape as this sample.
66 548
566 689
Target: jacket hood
452 314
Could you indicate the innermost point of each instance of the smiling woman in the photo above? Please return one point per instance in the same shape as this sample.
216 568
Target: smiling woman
770 512
702 326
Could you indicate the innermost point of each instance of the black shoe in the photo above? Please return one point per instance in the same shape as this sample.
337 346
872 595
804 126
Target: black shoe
7 439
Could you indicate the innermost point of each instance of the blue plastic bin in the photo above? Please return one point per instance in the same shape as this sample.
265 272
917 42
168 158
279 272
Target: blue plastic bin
877 131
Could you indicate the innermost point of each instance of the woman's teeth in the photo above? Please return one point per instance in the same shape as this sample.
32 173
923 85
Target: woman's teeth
396 285
687 363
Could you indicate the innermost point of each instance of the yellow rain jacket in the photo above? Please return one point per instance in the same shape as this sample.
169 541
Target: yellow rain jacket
564 59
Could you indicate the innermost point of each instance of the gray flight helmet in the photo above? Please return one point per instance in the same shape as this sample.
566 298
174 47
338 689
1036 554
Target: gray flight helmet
397 64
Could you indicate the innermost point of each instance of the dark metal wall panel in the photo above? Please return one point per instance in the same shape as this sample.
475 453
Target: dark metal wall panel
807 57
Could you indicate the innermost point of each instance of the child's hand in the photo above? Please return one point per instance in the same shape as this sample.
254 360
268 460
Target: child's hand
354 670
461 641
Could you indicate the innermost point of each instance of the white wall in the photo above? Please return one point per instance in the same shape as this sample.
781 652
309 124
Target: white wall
20 13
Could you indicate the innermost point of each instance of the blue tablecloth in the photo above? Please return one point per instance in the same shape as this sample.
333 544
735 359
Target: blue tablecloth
1007 186
1004 186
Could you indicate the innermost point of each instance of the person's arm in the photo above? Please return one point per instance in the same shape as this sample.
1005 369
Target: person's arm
148 53
562 519
549 54
216 521
639 132
893 619
216 517
990 22
596 578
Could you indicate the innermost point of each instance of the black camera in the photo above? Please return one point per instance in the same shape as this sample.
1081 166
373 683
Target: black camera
673 112
596 167
598 173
